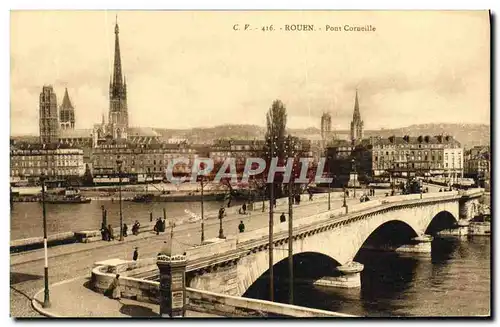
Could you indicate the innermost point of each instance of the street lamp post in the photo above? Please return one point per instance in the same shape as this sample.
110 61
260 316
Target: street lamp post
354 176
329 199
119 163
290 225
221 231
46 298
345 204
202 220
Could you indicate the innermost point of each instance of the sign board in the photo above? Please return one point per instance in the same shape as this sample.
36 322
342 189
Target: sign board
176 282
177 299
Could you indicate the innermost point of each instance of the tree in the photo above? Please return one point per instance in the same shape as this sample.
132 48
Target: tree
276 136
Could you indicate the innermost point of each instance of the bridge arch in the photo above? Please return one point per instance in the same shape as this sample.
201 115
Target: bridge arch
441 220
307 266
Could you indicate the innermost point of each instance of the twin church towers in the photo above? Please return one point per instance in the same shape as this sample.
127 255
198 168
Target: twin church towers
357 125
51 121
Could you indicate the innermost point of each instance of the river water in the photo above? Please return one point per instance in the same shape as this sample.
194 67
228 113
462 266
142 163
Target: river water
453 281
26 217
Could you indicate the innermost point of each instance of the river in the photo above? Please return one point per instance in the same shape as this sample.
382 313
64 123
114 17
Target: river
26 217
453 281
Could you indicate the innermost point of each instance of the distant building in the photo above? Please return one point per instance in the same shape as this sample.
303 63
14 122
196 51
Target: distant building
66 113
29 161
356 123
326 126
140 162
48 120
477 163
378 159
422 156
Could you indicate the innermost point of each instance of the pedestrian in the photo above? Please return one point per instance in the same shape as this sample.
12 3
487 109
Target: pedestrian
282 217
157 226
110 233
136 254
115 288
241 226
162 225
125 230
244 208
347 193
103 232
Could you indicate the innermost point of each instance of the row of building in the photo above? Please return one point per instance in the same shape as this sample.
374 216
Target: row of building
64 151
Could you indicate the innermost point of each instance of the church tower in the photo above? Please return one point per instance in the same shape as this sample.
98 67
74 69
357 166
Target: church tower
118 111
326 126
356 123
48 120
66 113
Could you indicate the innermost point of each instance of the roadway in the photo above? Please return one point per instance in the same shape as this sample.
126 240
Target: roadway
75 260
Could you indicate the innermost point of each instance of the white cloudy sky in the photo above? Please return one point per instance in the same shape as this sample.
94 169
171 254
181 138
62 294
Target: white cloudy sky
187 69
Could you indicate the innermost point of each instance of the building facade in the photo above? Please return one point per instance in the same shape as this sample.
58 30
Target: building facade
48 119
140 162
66 113
477 163
29 161
420 156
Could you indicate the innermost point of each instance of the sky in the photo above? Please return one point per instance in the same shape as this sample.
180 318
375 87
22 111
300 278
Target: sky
192 69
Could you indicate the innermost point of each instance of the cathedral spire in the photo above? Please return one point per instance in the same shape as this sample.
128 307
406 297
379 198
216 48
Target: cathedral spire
356 114
66 103
117 68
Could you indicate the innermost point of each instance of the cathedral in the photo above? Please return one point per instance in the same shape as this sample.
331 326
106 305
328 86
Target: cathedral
117 127
356 123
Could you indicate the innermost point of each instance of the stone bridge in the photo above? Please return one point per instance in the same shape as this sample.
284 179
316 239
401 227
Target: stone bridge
401 223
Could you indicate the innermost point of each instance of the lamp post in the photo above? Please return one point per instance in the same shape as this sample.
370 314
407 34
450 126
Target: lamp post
46 298
354 175
119 163
292 151
329 198
202 220
221 231
345 204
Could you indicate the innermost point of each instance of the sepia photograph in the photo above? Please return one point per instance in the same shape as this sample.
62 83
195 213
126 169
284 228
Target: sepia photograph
250 164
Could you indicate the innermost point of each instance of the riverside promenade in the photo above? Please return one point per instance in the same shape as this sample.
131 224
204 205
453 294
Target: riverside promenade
72 298
69 261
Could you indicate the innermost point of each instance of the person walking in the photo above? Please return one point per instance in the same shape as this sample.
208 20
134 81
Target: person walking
241 227
282 217
115 288
110 233
125 230
244 208
136 254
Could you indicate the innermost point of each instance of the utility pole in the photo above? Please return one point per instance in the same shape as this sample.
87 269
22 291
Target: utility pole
202 221
271 224
119 164
46 298
290 229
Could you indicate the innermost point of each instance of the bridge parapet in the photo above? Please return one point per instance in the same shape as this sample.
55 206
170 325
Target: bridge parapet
215 246
474 192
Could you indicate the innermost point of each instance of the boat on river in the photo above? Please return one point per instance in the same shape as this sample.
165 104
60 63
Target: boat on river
70 195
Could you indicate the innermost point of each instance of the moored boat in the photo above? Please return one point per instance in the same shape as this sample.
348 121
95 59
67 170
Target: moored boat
69 196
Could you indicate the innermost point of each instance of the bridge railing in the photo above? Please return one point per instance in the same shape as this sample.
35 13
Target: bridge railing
211 249
321 217
297 222
472 192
